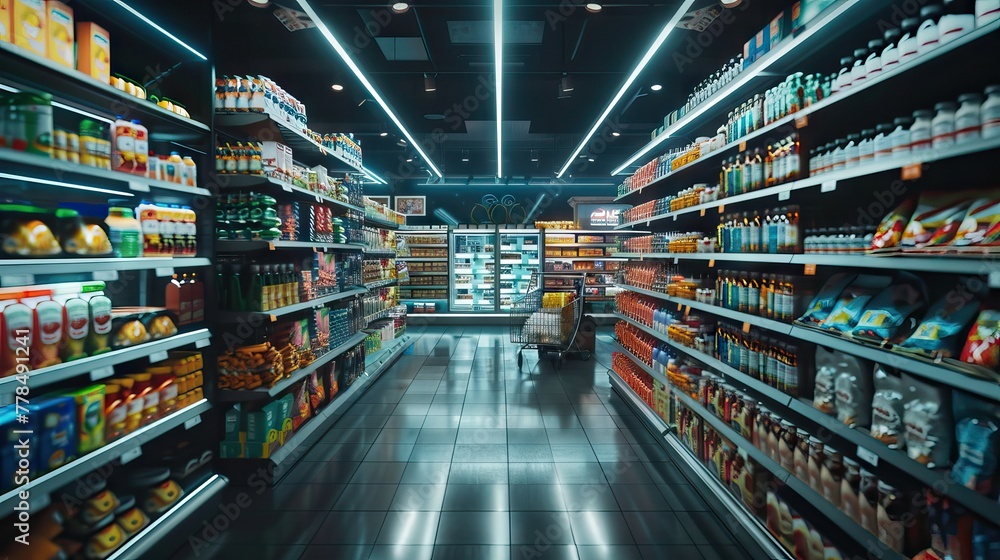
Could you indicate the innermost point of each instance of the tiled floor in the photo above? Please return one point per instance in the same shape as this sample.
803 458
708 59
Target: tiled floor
453 453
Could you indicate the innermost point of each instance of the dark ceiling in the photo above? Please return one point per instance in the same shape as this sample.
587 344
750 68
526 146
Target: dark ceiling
452 41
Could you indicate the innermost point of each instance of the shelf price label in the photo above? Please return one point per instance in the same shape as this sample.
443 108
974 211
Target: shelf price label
192 422
802 122
722 208
912 172
746 327
162 271
158 356
784 195
202 342
702 212
138 186
131 455
11 280
809 270
711 263
106 275
828 186
101 373
743 146
868 456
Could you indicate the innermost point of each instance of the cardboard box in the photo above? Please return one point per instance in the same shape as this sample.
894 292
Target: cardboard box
749 52
5 20
778 29
28 25
810 9
60 33
93 51
763 43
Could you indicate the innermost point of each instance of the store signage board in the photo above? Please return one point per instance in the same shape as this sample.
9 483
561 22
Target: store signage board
600 216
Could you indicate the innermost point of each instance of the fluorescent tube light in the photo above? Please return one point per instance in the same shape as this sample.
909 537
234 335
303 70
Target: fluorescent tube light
371 175
61 184
152 24
498 67
364 80
664 33
63 106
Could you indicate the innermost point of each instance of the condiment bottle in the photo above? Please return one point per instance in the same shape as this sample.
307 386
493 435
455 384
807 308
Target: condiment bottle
958 19
920 131
943 125
928 35
989 113
908 42
967 123
873 63
831 474
890 54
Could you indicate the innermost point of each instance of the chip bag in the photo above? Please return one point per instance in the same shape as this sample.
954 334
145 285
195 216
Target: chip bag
821 305
887 408
934 211
928 422
981 225
940 330
889 233
893 310
853 301
982 345
824 392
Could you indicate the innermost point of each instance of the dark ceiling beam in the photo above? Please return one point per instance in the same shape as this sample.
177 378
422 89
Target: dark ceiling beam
376 4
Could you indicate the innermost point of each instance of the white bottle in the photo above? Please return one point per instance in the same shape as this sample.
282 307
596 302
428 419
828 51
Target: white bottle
907 45
987 11
967 119
943 125
989 113
928 34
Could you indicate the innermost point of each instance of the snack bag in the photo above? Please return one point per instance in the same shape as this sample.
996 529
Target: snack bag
824 393
928 422
853 301
980 225
890 229
893 310
982 345
316 392
977 435
302 410
820 307
887 408
854 392
946 234
940 330
934 210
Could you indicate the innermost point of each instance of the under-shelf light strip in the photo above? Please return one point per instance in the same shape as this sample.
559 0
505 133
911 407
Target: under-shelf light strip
664 33
745 77
61 184
308 9
498 65
372 176
153 24
59 105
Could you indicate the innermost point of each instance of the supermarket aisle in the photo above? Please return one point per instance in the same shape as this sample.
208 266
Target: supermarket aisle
455 454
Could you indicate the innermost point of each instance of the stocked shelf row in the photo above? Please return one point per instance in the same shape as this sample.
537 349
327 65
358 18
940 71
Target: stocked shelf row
234 316
243 181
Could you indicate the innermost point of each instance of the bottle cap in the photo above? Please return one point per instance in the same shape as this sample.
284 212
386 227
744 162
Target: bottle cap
876 45
923 114
910 24
892 35
946 106
970 98
934 11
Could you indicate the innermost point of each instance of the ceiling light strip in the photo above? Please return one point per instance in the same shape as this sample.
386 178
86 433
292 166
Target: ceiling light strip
364 81
664 33
153 24
498 66
371 175
62 184
744 78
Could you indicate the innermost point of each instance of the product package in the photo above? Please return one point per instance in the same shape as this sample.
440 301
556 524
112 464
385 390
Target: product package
889 234
939 332
853 301
888 408
55 427
893 312
821 306
928 422
981 227
824 392
977 436
934 210
982 344
854 392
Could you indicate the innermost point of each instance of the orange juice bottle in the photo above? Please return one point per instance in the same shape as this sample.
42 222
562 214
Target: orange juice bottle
189 172
123 150
172 171
141 149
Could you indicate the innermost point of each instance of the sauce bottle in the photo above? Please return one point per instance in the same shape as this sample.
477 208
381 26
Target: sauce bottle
141 149
123 152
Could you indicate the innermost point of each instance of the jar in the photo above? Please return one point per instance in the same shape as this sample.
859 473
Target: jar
831 474
849 487
851 150
987 11
957 20
900 136
868 502
873 64
73 147
907 45
124 231
890 54
892 508
90 143
882 142
776 434
800 458
816 458
858 69
928 34
989 113
967 122
866 148
787 445
943 125
763 429
920 131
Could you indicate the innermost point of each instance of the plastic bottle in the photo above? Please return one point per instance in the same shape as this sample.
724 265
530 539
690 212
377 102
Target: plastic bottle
958 19
989 113
920 131
851 150
987 11
189 172
873 62
141 148
882 143
843 80
889 58
124 231
839 157
859 69
123 152
928 34
943 125
150 222
967 123
866 148
172 170
907 45
900 135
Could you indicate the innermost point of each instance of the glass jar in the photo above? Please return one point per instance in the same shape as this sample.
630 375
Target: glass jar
763 429
882 142
849 487
943 125
967 123
787 445
908 42
928 34
773 438
989 113
900 135
831 474
920 131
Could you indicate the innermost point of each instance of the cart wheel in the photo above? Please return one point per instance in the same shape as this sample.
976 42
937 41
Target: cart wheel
520 360
556 361
585 355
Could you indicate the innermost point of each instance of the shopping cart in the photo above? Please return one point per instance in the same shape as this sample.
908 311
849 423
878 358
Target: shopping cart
549 329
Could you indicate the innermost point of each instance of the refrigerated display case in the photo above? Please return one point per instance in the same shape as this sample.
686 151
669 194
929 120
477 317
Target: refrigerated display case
473 270
425 252
591 252
520 254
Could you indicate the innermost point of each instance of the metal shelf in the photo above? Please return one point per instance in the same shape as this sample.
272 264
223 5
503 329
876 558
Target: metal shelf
424 259
101 366
38 267
377 222
143 542
227 245
83 91
41 486
972 264
734 257
592 245
245 180
428 245
296 376
658 424
232 316
652 372
304 148
84 179
428 273
740 89
381 253
418 287
378 358
616 257
380 284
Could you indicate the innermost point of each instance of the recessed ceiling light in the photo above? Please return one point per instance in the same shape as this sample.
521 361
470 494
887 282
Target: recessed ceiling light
430 84
400 7
590 159
383 134
408 160
656 87
616 134
259 3
593 7
337 87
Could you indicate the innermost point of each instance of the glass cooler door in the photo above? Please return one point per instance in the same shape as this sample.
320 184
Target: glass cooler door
473 271
520 251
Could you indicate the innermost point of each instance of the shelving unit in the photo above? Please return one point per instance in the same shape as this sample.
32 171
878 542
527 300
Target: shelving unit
272 186
230 316
600 295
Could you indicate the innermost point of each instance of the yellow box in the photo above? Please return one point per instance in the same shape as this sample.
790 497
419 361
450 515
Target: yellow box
5 14
93 51
60 32
28 25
